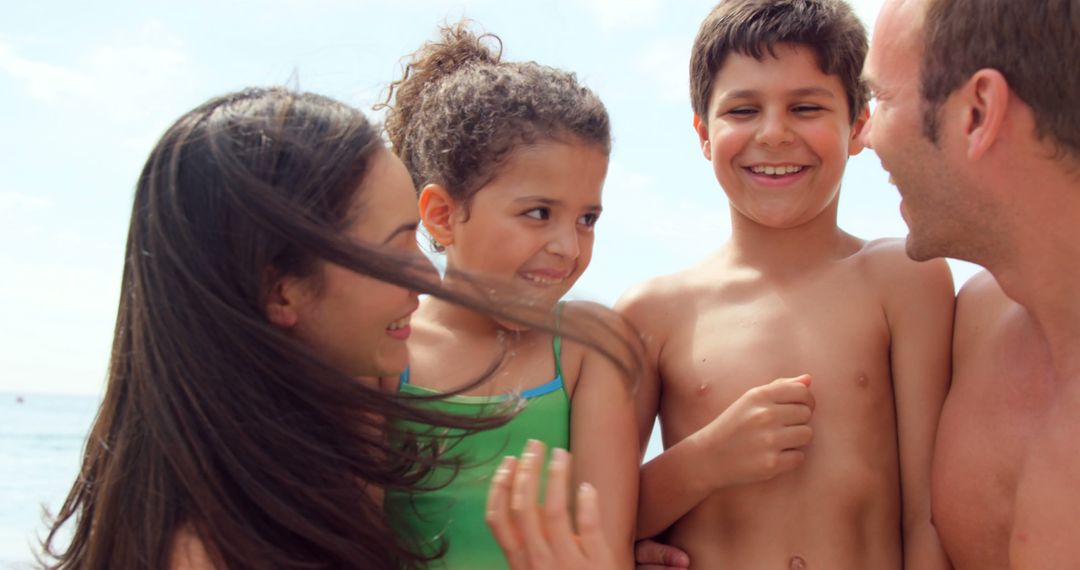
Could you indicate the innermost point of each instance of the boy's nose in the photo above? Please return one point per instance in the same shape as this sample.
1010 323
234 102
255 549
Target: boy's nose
774 131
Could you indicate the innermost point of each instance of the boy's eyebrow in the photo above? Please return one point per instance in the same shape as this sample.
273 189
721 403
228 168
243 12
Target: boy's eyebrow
408 226
800 92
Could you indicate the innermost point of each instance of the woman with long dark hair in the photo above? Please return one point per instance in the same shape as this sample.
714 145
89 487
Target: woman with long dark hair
271 260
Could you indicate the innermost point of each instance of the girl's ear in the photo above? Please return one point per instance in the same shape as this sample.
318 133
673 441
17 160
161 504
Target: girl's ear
282 301
437 210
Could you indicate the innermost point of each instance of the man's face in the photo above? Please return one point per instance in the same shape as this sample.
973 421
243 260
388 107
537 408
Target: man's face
932 201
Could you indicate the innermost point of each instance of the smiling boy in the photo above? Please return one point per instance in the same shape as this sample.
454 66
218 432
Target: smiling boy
829 466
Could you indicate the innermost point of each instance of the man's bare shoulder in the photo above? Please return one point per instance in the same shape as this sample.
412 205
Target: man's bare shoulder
980 305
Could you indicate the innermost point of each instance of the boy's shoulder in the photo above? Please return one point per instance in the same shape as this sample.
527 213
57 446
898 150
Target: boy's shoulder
886 260
660 291
903 283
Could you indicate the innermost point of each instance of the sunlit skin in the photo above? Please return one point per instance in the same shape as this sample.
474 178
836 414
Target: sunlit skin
1002 388
764 474
356 322
527 235
991 190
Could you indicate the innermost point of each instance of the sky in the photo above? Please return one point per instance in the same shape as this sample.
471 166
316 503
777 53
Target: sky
87 88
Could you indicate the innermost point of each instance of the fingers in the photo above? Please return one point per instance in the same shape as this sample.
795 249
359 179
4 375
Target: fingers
498 515
523 509
791 391
650 554
556 509
794 437
789 459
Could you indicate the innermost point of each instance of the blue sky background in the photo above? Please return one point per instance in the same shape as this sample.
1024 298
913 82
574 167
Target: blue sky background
87 88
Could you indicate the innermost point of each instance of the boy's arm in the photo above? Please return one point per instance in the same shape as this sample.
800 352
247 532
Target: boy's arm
604 441
756 438
919 309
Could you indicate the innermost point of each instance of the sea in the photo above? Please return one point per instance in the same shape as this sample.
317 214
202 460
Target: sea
41 443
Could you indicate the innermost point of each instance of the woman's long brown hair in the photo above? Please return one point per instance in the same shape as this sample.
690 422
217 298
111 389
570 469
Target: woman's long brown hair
218 422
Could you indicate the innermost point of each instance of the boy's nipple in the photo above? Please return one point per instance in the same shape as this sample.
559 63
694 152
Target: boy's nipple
797 563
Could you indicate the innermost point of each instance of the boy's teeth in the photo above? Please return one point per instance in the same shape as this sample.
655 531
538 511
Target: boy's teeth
399 324
776 170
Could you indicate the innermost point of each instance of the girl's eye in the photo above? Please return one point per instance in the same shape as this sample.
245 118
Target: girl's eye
589 220
538 213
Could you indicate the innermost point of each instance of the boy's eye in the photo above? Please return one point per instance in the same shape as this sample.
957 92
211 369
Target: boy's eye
742 111
589 220
807 108
538 213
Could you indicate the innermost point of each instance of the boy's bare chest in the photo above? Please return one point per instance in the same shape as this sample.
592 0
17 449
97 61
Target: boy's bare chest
727 346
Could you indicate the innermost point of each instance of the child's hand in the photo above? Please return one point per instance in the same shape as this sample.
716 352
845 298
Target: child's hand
652 555
535 537
760 435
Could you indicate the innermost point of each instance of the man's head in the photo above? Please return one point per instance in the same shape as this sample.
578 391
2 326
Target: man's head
1035 44
755 27
967 91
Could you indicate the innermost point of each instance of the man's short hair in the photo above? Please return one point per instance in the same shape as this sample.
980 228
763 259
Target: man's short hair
1035 44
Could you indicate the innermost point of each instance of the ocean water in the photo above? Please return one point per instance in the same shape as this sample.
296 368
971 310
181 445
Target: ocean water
41 442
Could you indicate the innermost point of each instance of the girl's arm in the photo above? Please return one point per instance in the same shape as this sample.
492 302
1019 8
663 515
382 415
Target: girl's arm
604 441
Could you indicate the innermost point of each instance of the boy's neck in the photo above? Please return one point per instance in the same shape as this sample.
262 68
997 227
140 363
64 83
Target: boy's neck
787 249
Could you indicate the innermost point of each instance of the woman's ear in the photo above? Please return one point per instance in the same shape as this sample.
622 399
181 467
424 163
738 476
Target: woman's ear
437 210
281 301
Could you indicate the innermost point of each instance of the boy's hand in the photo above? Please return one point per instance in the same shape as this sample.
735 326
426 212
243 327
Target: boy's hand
652 555
535 537
760 435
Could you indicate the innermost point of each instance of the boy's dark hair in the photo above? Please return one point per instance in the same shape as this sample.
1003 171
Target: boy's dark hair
754 27
1035 45
458 110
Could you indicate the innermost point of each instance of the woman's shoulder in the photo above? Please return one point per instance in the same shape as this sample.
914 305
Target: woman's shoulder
188 552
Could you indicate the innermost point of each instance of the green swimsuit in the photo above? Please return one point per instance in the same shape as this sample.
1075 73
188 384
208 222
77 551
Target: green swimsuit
455 513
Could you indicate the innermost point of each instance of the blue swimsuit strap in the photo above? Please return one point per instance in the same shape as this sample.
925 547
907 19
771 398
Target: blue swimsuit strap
546 388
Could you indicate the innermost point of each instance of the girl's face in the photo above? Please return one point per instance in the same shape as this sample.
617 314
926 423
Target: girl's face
532 225
356 322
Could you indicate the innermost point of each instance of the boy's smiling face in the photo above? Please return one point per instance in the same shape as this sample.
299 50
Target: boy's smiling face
778 135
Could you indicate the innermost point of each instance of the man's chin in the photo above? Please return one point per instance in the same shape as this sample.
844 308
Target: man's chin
919 250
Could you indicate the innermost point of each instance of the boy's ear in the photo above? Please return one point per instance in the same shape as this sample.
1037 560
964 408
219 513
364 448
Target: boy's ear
857 142
281 301
985 103
437 210
702 129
